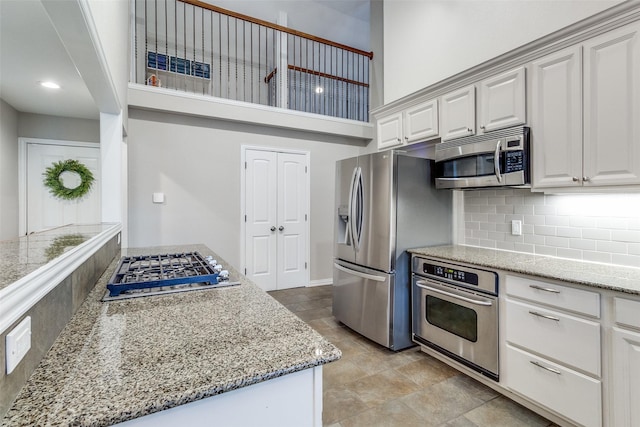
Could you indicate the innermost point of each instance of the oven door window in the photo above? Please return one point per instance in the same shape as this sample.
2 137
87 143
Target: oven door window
464 167
453 318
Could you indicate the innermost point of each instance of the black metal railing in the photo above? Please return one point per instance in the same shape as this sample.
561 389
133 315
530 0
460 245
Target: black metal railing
196 47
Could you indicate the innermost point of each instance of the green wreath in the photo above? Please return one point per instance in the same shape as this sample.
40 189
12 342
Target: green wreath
56 186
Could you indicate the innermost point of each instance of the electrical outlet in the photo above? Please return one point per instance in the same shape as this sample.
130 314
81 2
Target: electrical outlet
18 343
516 227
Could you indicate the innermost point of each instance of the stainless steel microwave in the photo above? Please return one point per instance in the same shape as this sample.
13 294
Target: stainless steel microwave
495 159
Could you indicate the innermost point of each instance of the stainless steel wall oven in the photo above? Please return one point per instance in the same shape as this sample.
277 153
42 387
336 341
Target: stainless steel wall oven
455 312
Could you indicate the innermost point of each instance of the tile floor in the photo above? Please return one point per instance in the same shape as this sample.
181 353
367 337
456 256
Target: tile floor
373 386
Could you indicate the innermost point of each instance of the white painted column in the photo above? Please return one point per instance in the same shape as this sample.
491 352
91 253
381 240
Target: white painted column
111 167
283 72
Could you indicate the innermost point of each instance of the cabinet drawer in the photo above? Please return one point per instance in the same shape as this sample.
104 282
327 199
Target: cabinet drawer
627 312
559 336
564 297
560 389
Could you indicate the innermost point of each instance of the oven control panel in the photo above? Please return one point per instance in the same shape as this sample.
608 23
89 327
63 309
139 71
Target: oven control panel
454 274
469 277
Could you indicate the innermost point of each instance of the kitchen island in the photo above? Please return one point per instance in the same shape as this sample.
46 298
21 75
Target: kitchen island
125 360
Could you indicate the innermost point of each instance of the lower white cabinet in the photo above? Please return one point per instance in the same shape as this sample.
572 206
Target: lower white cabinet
554 354
625 369
565 391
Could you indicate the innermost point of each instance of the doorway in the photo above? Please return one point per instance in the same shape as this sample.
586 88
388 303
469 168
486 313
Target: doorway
276 217
39 209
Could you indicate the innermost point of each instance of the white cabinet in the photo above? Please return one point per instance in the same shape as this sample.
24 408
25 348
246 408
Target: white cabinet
609 77
553 355
625 381
389 131
502 104
612 108
502 100
421 121
416 123
459 113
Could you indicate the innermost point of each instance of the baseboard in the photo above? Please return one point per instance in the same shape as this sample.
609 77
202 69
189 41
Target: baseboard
320 282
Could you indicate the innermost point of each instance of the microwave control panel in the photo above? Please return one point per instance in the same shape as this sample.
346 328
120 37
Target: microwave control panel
514 161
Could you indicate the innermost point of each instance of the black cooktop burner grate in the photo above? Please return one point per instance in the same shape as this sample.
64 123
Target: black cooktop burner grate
136 274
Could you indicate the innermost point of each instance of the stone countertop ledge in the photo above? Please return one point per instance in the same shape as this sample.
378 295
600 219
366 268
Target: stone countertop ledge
603 276
121 360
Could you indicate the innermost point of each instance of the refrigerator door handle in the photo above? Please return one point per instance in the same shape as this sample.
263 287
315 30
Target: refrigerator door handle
359 273
357 209
350 235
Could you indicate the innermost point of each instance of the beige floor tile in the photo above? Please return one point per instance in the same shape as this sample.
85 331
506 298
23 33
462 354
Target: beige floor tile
503 412
314 313
340 372
382 387
427 371
349 347
339 404
461 422
442 402
391 414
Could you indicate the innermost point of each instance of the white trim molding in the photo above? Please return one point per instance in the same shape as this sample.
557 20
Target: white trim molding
19 297
320 282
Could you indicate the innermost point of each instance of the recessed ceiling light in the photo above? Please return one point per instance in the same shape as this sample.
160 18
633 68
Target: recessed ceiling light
50 85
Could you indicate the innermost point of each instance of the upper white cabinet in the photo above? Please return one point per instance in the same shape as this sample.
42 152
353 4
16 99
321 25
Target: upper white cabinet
389 131
612 107
459 113
417 123
501 104
421 121
502 100
606 69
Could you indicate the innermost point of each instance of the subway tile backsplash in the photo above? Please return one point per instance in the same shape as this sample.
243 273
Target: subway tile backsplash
600 228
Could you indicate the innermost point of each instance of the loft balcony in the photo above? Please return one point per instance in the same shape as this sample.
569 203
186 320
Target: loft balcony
194 47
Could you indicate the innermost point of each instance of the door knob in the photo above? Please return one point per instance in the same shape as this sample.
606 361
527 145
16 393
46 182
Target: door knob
281 228
575 179
273 228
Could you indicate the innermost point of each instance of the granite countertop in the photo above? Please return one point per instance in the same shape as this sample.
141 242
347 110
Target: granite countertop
120 360
604 276
25 254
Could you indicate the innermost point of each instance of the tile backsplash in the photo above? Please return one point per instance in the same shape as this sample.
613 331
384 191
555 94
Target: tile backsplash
600 228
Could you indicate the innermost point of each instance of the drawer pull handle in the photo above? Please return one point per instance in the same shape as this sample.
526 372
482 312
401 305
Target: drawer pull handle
555 371
535 313
540 288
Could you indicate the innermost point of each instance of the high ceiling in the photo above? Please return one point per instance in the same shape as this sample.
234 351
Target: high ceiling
30 52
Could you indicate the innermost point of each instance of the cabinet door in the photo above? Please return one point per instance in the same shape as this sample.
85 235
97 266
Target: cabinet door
459 113
502 100
421 121
556 119
390 131
612 107
626 375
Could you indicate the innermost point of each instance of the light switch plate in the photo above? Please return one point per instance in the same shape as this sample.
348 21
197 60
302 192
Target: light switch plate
516 227
18 343
158 197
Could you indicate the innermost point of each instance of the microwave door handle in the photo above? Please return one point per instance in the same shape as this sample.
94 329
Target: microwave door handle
496 162
421 284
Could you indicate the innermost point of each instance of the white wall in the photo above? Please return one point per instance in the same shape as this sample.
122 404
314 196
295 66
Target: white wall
8 171
599 228
61 128
427 41
314 17
196 163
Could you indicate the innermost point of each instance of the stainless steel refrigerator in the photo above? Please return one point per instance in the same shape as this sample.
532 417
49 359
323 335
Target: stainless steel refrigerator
385 204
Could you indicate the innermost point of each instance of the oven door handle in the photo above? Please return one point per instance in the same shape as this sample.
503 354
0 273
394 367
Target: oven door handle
421 284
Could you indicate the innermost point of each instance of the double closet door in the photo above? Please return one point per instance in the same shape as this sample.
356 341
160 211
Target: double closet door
276 231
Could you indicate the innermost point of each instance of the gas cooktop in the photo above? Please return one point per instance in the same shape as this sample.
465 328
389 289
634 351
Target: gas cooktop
146 275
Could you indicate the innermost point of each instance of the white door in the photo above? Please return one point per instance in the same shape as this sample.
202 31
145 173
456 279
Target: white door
43 210
276 203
